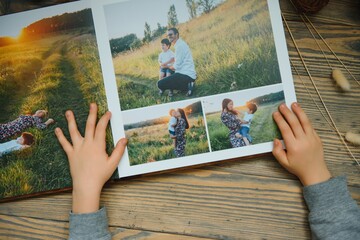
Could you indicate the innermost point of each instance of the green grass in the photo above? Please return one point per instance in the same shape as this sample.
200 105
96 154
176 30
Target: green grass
219 41
153 143
263 128
65 79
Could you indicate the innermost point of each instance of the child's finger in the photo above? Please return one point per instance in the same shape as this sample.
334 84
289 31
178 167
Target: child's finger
118 152
280 154
100 131
304 120
284 128
91 121
63 141
73 130
292 120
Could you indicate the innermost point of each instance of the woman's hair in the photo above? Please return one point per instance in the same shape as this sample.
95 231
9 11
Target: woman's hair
183 116
225 103
28 138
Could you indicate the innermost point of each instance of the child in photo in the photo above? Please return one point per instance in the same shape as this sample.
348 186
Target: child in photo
166 59
172 124
24 141
246 122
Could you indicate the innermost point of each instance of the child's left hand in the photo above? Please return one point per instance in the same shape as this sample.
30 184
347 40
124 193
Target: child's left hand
90 165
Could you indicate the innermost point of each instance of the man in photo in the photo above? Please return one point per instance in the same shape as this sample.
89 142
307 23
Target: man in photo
184 67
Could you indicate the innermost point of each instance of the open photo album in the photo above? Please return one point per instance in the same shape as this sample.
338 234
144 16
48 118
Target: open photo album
188 82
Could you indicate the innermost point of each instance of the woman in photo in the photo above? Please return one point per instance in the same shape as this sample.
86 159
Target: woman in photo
180 130
229 118
18 125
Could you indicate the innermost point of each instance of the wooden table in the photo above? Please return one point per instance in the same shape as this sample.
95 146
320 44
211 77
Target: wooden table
252 198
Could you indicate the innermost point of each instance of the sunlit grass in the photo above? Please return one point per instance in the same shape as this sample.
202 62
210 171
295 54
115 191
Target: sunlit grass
56 78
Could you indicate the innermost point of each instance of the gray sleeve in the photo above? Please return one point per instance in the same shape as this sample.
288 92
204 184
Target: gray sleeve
333 212
89 226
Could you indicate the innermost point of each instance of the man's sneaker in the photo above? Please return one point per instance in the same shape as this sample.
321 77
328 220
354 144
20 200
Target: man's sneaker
170 94
190 88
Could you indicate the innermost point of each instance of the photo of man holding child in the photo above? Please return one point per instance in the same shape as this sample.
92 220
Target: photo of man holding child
168 54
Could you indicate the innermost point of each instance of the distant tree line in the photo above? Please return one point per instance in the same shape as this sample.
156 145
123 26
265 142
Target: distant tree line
66 21
269 98
131 42
190 110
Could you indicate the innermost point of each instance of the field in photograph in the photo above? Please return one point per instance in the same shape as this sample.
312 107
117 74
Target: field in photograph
153 143
232 47
58 72
263 128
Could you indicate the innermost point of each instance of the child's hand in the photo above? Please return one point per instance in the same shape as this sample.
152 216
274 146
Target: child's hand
90 165
238 135
49 121
304 156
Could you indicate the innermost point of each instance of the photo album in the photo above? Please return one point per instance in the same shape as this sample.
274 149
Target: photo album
187 82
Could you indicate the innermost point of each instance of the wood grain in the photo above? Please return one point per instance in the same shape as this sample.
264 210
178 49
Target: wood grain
249 198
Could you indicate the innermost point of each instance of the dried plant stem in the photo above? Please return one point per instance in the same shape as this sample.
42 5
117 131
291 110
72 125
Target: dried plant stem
317 91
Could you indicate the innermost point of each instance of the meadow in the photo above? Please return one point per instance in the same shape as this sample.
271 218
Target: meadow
59 72
263 128
152 143
232 47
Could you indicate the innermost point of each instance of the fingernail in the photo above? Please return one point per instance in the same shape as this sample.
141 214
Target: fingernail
123 141
67 113
295 104
282 105
57 130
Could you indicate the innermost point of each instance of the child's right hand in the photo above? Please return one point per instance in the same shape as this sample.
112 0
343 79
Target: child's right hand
90 165
304 155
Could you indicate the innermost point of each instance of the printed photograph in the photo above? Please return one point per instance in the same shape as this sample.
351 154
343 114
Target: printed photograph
171 50
49 64
165 132
243 118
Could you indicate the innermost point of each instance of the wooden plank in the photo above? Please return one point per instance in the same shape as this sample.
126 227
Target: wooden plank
344 12
217 203
12 227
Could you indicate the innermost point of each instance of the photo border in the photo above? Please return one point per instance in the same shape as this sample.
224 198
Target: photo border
124 167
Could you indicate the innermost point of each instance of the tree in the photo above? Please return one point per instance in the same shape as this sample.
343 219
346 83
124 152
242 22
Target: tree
147 33
172 17
206 5
158 32
192 8
128 42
